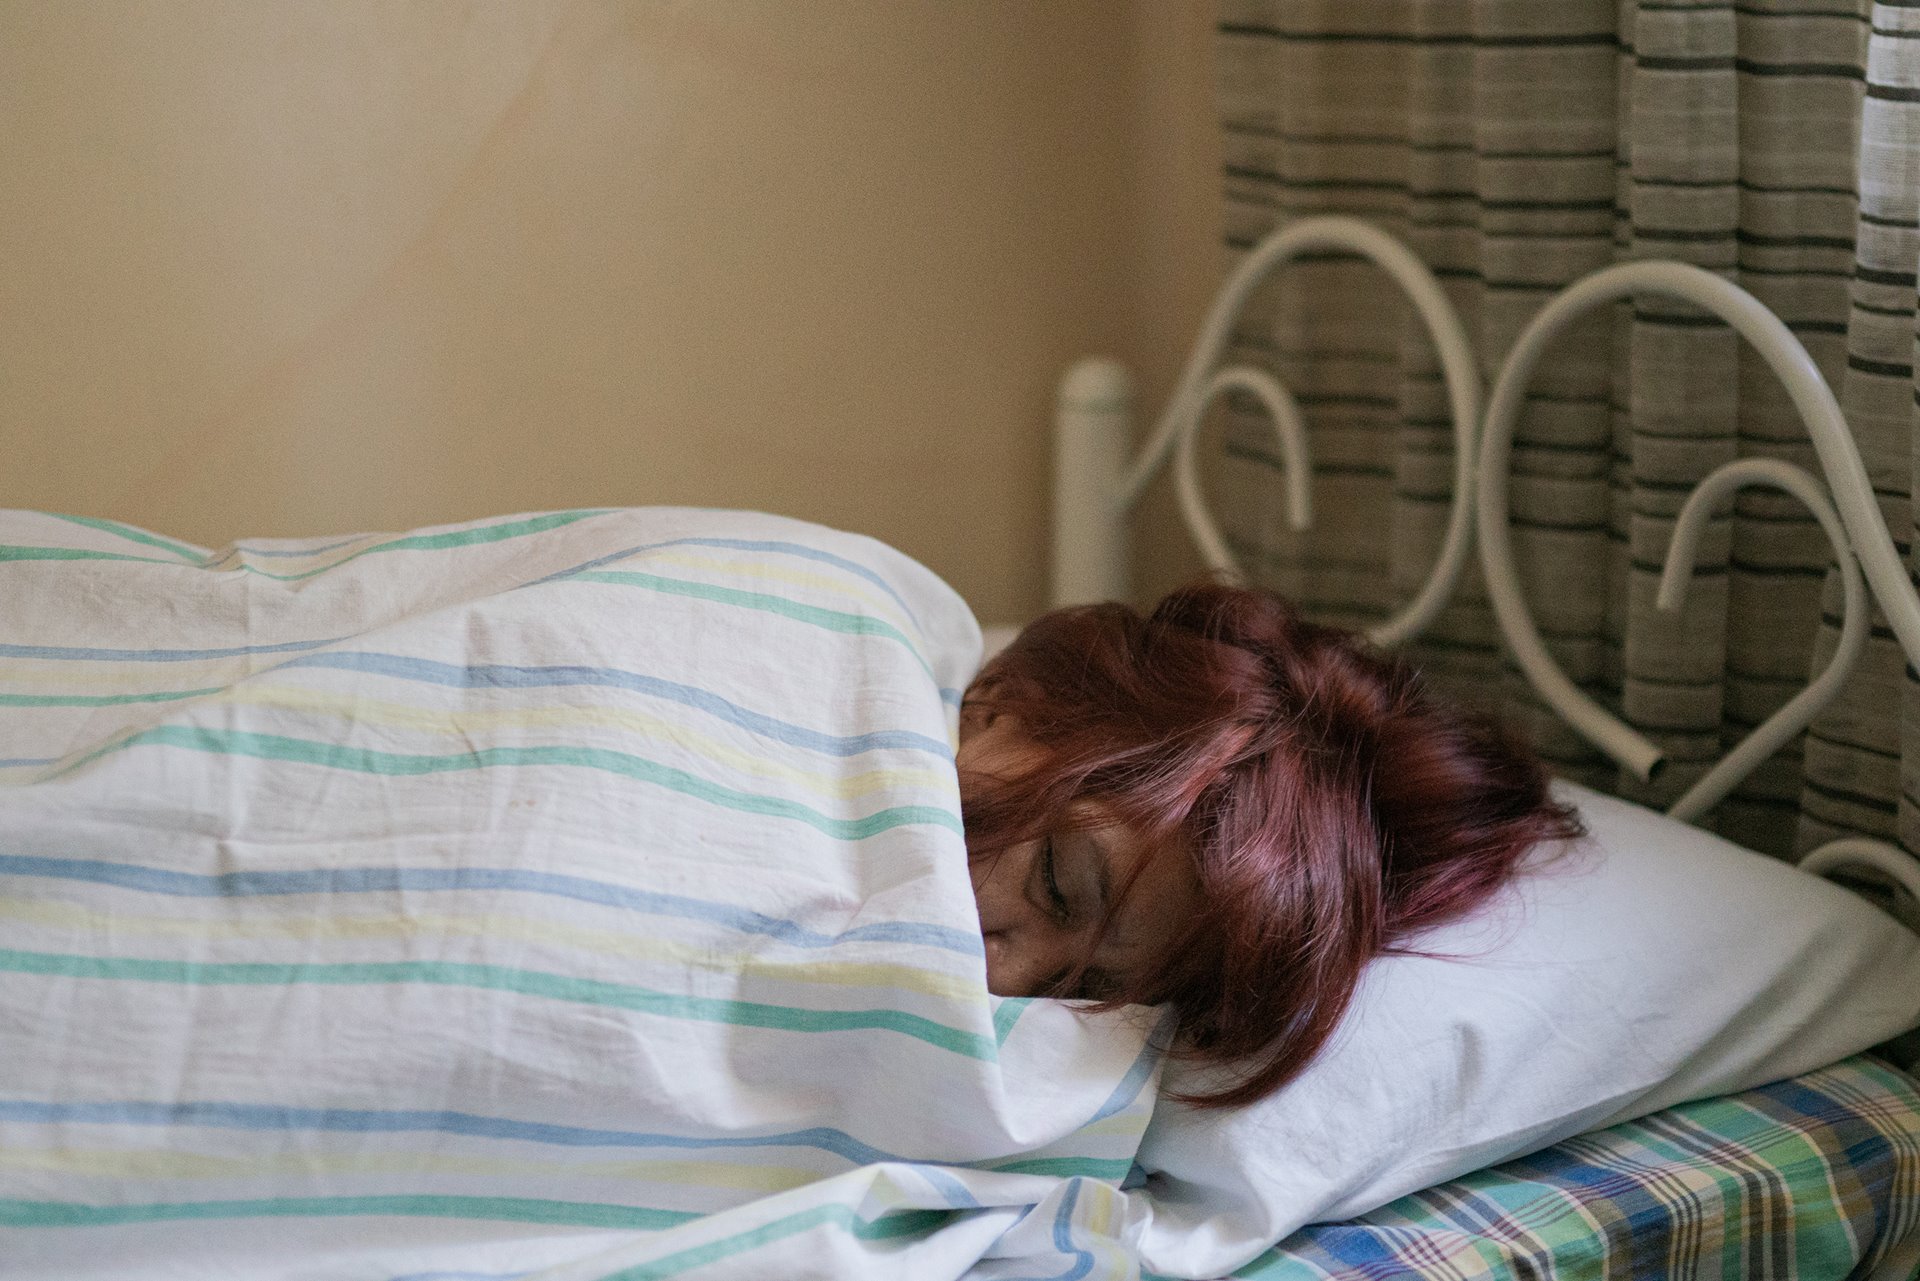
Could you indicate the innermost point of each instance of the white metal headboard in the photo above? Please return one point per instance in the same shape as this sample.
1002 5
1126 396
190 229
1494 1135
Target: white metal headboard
1095 487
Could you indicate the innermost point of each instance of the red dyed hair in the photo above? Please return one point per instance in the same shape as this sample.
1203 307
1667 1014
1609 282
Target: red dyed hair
1332 807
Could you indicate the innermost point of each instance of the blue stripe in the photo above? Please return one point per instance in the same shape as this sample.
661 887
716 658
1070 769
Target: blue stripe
260 1116
273 1117
947 694
501 676
1131 1084
363 880
1063 1238
494 676
77 653
6 762
85 654
957 1194
489 676
293 551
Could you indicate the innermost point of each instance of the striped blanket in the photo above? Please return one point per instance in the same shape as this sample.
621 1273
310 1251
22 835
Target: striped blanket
1816 1178
577 895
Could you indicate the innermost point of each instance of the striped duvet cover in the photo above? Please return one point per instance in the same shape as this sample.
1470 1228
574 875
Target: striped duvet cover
577 895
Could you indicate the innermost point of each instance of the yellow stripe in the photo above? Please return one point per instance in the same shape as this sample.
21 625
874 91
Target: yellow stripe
1099 1211
110 1163
1128 1121
110 675
743 568
1102 1205
465 724
424 926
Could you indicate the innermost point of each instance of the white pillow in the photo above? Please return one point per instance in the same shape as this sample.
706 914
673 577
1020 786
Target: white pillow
1645 965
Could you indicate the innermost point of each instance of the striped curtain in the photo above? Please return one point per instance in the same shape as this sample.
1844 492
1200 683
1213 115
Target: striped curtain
1517 146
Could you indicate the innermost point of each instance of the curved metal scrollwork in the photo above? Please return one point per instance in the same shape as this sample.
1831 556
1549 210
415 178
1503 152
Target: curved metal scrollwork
1198 385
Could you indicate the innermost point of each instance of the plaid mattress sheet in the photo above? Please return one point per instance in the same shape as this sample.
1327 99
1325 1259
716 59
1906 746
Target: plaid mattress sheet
1809 1178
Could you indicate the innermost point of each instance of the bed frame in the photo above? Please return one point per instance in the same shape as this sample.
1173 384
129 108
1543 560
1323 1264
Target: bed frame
1096 486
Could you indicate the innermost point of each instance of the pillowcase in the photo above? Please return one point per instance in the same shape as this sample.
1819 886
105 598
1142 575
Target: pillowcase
1643 965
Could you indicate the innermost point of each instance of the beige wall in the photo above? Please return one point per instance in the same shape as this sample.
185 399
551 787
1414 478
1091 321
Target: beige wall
293 268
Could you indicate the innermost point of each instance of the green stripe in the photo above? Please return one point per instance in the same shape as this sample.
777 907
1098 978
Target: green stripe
10 552
417 542
453 538
192 554
69 1214
833 620
1068 1167
1007 1014
500 978
368 761
916 1223
102 700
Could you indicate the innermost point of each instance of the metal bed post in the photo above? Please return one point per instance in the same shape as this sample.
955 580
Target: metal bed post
1093 429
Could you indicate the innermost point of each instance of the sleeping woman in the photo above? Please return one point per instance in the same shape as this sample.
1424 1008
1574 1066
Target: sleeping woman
1223 808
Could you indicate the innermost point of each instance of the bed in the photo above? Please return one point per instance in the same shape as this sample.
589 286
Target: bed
492 901
1805 1177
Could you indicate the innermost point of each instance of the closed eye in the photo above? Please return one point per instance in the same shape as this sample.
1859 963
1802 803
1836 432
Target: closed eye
1061 910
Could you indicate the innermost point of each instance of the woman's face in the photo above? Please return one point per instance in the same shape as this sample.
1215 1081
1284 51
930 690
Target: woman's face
1042 902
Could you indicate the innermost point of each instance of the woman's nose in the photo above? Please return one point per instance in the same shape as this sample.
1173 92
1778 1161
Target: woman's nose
1026 959
1025 946
1014 969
